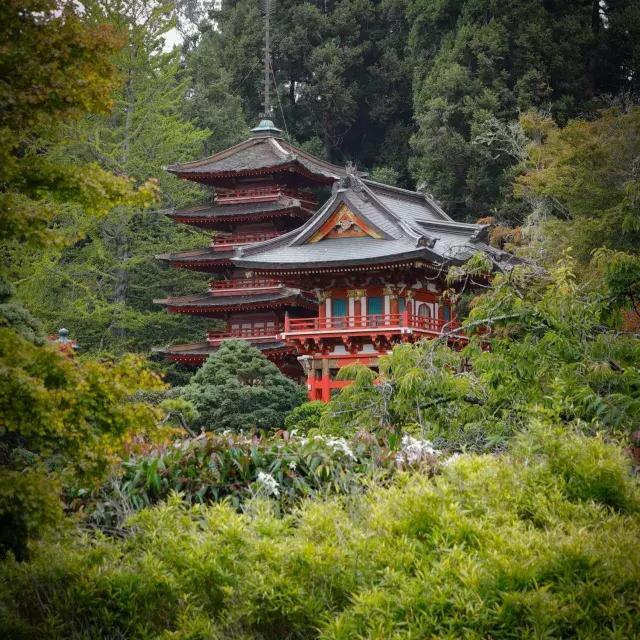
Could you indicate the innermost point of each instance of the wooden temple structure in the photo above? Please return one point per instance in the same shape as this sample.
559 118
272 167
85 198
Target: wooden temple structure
316 288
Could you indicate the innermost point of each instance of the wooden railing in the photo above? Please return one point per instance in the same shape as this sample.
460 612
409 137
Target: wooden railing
258 330
242 283
266 194
387 320
222 242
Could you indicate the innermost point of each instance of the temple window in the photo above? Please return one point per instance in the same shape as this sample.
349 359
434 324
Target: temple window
339 307
375 307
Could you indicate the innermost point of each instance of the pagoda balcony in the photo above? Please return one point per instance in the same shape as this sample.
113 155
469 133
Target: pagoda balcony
225 243
253 333
392 327
265 194
240 285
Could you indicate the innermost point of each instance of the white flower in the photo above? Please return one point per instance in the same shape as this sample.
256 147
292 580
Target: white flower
268 483
292 465
340 444
415 450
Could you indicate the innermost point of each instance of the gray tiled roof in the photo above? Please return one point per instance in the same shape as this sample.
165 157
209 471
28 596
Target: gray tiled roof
205 349
221 210
412 226
196 255
256 153
283 294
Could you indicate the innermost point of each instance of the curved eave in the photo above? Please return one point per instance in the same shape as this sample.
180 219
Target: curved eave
196 353
197 263
212 311
214 220
380 262
211 177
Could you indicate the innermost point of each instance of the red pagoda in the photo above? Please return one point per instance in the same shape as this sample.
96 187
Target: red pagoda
261 188
316 289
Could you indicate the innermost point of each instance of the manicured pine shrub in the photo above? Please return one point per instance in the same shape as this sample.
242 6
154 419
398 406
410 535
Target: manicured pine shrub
237 388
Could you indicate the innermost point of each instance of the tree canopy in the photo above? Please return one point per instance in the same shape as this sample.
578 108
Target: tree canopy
238 388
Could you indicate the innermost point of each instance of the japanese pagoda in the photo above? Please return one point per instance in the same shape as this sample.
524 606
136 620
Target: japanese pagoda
262 188
317 288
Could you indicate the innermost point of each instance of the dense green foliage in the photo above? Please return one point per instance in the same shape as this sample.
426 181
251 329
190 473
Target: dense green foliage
541 542
238 388
482 62
78 77
550 356
212 468
102 285
586 177
479 492
59 419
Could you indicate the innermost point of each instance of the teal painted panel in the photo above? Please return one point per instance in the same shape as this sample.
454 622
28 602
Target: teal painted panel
339 307
375 306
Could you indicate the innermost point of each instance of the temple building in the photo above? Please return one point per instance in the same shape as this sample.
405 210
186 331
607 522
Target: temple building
260 189
316 288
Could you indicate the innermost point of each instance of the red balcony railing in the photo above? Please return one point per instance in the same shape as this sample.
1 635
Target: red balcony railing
366 323
266 194
224 286
257 331
221 243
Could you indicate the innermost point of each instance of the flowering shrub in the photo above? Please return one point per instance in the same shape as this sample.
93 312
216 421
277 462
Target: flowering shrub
213 467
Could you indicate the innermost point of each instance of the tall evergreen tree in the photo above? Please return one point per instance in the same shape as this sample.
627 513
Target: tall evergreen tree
340 68
478 60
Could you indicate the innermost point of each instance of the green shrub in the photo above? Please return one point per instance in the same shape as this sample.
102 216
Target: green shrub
61 419
237 388
306 417
491 547
215 467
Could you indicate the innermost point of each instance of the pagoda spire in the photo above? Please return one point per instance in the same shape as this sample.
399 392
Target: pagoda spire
268 8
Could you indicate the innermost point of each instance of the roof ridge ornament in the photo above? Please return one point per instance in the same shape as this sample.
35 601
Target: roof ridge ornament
349 181
421 188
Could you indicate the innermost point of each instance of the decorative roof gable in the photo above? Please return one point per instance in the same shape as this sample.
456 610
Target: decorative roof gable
364 223
344 223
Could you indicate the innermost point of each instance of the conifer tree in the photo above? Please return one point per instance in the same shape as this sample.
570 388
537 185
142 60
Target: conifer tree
478 61
238 388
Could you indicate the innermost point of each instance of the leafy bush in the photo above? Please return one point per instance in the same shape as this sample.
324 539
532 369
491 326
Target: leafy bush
60 418
306 417
522 545
215 467
238 388
550 356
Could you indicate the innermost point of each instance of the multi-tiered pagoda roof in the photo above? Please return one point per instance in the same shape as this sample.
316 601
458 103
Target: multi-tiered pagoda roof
265 153
263 188
319 287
